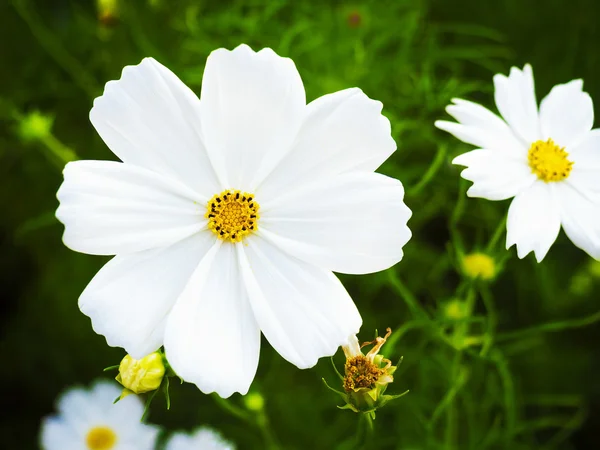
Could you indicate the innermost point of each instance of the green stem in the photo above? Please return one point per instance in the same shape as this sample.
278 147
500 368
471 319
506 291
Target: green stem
54 48
550 327
409 298
431 171
58 149
497 234
260 420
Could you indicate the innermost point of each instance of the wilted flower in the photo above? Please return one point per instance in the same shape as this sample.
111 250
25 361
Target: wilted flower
547 159
202 439
88 419
229 214
142 375
366 377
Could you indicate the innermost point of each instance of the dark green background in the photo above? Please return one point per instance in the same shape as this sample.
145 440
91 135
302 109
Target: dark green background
540 390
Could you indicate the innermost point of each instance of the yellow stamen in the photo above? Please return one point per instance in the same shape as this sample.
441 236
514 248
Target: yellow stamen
232 215
549 161
101 438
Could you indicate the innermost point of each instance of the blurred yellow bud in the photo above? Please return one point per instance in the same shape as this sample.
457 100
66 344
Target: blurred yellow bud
141 375
594 268
35 126
254 401
108 11
479 265
455 309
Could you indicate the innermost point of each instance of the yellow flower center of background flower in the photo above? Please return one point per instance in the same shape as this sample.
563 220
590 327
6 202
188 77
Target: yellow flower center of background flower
549 161
232 215
479 265
101 438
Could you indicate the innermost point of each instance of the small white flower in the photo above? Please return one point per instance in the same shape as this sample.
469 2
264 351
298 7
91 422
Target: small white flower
202 439
228 215
88 420
547 159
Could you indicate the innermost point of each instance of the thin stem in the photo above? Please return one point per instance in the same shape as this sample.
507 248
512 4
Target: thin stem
431 171
497 234
409 298
53 47
550 327
488 302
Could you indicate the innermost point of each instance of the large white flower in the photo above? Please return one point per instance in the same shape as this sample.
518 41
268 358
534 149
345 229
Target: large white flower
547 159
202 439
88 420
229 213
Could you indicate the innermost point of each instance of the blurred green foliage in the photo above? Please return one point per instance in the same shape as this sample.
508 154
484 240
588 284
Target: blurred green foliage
518 371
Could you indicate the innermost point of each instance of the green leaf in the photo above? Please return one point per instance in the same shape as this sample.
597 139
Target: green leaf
342 394
336 369
165 388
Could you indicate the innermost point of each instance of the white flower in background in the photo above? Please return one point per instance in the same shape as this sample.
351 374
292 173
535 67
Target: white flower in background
202 439
88 420
547 159
228 215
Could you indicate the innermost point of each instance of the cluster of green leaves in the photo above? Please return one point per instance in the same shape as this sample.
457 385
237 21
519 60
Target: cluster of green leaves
514 373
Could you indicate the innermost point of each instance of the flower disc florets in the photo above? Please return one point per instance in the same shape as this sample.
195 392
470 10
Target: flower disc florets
232 214
549 161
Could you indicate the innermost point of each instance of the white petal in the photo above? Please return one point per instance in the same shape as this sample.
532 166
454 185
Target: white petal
202 439
151 119
495 175
585 176
55 434
354 223
479 126
580 218
342 132
131 296
515 99
212 339
533 220
252 105
567 114
303 311
109 208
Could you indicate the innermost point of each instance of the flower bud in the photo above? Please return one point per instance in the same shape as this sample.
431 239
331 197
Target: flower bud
142 375
254 401
108 11
35 126
479 265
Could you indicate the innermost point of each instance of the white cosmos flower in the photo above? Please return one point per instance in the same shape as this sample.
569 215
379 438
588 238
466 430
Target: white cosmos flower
228 215
547 159
88 420
202 439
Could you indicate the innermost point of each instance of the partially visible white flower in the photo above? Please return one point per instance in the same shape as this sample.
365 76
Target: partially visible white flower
202 439
88 420
547 159
202 268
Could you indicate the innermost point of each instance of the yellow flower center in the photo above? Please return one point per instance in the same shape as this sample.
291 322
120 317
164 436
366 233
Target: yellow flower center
101 438
479 265
232 215
549 161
